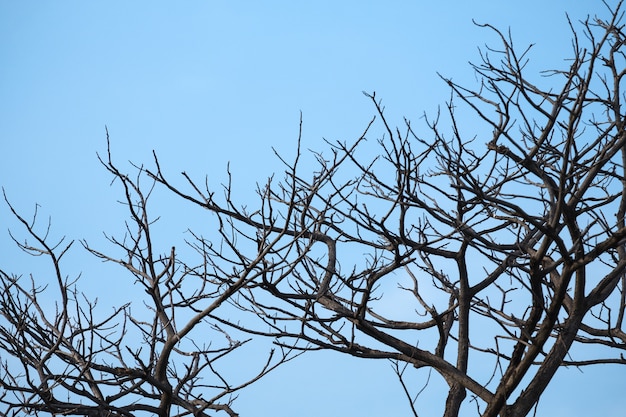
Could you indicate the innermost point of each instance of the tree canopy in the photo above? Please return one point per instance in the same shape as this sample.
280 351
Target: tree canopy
510 250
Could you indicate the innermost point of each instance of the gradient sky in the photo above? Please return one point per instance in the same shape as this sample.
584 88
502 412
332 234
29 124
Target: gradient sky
205 83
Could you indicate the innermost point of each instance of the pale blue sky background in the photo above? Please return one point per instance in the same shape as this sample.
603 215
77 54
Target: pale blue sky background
208 82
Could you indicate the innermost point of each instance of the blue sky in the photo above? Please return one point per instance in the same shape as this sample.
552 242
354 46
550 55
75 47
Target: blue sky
206 83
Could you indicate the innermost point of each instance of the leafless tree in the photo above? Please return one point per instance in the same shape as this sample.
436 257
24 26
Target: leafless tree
510 248
161 355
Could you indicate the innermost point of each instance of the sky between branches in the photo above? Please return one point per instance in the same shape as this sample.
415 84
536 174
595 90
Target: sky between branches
205 83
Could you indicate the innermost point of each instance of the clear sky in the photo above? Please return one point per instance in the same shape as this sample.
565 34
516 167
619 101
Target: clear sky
204 83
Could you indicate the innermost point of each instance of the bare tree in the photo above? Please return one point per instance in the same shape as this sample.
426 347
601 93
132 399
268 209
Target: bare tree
162 355
510 248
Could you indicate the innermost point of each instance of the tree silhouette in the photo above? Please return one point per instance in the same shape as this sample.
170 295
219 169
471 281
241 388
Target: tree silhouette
509 251
162 354
510 248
